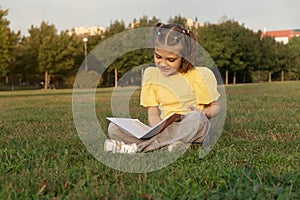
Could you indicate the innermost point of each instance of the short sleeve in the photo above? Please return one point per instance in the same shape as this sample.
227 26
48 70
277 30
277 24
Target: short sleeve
148 92
206 86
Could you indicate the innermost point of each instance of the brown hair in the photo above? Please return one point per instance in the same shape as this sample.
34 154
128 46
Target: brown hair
176 36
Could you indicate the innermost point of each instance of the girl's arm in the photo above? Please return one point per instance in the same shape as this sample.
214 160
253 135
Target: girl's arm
153 115
212 109
209 110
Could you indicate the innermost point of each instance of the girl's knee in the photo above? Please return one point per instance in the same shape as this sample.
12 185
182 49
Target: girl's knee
198 118
195 115
115 133
112 130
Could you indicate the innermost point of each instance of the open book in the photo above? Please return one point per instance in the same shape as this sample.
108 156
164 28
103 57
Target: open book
138 129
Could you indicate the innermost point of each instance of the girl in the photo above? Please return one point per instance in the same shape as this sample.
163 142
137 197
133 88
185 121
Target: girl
175 85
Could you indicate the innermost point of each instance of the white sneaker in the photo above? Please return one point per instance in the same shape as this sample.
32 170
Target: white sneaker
178 145
116 146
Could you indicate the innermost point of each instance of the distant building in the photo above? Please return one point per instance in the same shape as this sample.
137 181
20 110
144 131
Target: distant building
282 35
88 30
191 23
134 24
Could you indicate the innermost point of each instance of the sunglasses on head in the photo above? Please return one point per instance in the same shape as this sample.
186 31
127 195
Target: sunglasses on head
175 27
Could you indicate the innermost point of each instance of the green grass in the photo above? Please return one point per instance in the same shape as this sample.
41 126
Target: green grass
256 157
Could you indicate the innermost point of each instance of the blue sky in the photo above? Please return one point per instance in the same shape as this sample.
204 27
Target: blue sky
65 14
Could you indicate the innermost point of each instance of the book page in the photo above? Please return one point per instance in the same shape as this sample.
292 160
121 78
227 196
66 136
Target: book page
136 128
162 125
132 126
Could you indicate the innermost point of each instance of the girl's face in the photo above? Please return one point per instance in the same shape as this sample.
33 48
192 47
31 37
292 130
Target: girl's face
167 62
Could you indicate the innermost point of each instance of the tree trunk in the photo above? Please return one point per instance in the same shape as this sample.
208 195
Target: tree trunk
270 77
234 78
6 80
108 79
46 80
226 77
116 77
282 75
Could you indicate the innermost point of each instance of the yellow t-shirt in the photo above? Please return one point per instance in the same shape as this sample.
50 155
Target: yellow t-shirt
173 94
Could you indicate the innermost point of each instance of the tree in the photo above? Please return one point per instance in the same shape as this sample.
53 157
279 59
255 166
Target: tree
241 48
30 48
114 28
223 43
144 22
14 63
294 45
4 43
248 45
131 60
231 33
178 19
56 53
49 53
285 59
208 38
267 56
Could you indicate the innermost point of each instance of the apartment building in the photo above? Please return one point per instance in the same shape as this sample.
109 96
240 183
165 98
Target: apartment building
88 30
282 35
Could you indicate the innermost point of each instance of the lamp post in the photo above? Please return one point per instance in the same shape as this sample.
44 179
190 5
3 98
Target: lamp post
85 52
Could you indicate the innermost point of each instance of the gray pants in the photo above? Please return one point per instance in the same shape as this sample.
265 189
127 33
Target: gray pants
193 128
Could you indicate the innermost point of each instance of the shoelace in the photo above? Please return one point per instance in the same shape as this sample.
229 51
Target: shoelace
119 146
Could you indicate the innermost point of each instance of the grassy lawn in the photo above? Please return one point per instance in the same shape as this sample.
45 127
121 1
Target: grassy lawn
256 157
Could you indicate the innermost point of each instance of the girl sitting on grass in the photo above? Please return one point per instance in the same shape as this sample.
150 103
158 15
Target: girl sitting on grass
175 85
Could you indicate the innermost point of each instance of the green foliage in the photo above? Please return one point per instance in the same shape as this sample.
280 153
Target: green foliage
114 28
132 59
178 19
145 22
256 157
232 46
208 38
267 51
45 50
137 57
294 45
56 53
4 42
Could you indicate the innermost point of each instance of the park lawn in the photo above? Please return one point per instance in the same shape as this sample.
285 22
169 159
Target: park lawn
256 157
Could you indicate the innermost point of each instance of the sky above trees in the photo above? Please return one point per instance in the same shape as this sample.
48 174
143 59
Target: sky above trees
66 14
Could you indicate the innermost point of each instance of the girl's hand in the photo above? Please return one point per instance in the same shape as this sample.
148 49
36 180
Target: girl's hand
193 108
153 115
210 110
